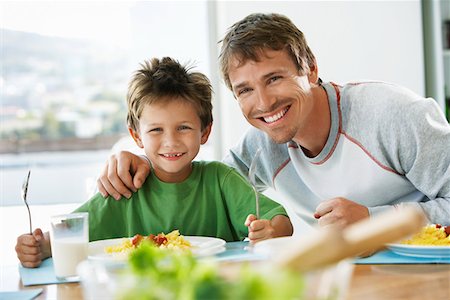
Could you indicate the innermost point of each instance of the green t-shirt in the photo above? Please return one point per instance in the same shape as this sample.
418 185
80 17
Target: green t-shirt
213 201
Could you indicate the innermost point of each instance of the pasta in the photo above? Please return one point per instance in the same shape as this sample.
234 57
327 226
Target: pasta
431 235
173 240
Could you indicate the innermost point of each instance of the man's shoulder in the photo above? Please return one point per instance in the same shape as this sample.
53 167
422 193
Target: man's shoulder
272 157
372 103
378 93
255 139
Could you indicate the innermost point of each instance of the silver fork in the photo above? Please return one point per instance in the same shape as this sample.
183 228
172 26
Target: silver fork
24 197
251 175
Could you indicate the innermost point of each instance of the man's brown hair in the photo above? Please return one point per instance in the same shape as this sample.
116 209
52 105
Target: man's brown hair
246 39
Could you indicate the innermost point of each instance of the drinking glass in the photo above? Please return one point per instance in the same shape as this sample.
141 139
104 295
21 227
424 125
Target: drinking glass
69 238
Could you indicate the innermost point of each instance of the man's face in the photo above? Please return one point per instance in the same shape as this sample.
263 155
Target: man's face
273 96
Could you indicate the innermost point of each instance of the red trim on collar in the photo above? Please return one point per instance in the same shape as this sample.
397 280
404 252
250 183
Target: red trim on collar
292 145
281 167
370 155
338 96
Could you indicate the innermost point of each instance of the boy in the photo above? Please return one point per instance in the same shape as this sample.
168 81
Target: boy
170 116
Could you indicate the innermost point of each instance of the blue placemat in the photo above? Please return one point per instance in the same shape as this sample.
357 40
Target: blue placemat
238 251
20 295
389 257
241 251
45 274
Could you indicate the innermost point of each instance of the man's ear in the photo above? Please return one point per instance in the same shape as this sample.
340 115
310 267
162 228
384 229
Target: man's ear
313 75
136 137
205 134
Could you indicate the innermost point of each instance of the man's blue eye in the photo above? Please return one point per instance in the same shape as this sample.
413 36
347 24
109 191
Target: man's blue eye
243 91
274 78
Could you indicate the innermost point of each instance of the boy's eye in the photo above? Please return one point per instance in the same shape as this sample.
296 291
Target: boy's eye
184 127
155 130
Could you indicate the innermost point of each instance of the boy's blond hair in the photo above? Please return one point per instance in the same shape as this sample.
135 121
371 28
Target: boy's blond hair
166 79
246 39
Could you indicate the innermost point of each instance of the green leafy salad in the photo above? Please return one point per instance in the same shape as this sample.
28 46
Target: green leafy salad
155 273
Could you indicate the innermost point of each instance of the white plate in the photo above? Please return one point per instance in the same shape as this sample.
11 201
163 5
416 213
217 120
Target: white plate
201 246
205 246
420 251
96 250
272 247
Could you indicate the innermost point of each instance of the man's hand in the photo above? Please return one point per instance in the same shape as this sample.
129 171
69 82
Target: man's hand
340 212
123 174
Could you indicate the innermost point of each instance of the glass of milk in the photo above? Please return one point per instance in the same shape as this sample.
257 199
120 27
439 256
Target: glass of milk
69 238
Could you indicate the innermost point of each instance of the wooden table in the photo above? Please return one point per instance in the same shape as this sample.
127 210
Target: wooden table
421 282
377 282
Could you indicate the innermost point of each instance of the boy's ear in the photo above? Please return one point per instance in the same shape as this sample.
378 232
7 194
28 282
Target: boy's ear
136 137
205 134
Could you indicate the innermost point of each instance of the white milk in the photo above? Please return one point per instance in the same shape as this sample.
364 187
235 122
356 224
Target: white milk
67 254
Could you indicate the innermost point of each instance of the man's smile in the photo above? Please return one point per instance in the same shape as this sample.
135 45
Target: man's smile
276 116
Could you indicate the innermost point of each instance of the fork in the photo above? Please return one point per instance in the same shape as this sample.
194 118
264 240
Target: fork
251 175
24 197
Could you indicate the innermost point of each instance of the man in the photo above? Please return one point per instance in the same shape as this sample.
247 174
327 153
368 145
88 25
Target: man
338 153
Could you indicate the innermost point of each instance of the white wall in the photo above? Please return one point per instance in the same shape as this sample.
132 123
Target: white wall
379 40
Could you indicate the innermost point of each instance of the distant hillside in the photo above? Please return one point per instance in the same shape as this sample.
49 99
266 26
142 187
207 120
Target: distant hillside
55 61
20 49
51 86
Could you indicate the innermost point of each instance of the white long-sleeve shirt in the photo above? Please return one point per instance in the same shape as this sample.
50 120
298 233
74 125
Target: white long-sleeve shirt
386 146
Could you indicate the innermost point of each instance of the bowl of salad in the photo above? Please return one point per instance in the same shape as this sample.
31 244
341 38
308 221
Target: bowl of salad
154 273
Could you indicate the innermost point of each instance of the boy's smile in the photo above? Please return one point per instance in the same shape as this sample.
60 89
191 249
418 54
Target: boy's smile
172 156
170 133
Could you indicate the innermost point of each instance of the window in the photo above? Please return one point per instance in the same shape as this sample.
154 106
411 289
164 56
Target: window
65 68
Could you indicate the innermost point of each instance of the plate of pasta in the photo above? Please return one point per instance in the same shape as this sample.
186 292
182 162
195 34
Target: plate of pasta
432 240
118 249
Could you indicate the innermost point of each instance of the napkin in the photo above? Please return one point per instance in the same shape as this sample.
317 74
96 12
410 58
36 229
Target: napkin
45 274
21 295
389 257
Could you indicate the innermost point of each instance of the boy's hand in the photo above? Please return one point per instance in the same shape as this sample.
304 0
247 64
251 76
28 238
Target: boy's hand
31 249
123 174
259 230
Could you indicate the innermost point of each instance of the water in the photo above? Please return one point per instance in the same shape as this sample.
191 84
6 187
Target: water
56 177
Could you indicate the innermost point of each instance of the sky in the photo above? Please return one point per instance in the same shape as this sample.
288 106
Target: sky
99 20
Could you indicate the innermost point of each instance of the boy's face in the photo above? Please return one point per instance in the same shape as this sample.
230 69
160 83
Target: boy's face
170 133
273 96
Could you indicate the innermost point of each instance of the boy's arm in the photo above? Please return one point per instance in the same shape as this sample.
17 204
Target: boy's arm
262 229
282 226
